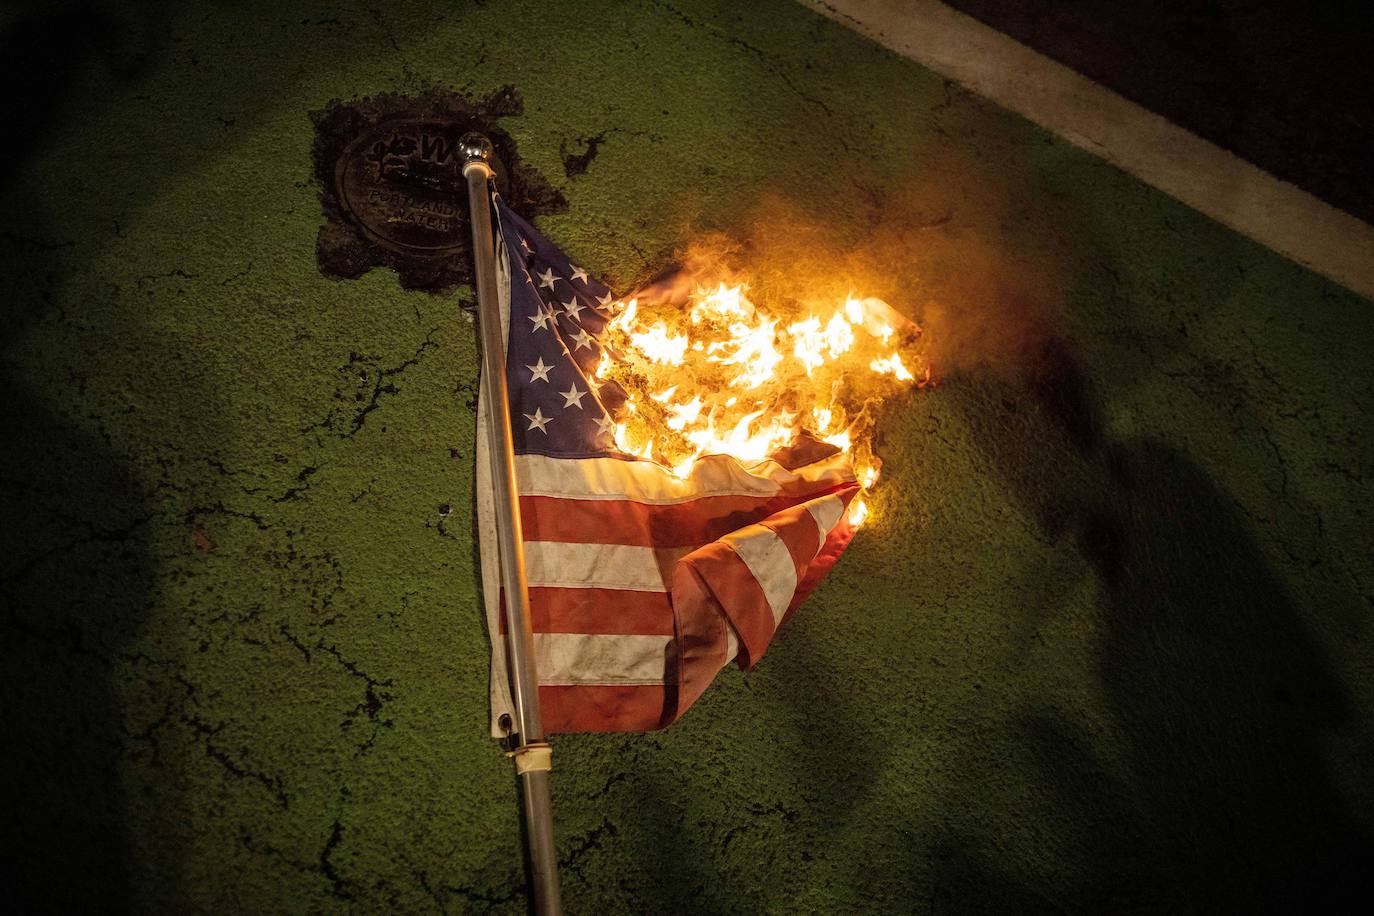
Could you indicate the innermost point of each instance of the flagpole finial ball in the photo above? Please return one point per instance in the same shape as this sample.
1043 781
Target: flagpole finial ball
476 148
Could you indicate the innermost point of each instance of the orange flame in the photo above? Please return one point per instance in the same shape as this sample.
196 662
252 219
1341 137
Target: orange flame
723 375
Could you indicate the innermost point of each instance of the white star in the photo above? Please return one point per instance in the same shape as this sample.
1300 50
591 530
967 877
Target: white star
573 308
604 301
539 371
583 339
525 244
579 274
537 419
547 278
605 425
540 319
573 398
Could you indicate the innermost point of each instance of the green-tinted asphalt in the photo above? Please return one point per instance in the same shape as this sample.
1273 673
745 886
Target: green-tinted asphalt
1103 647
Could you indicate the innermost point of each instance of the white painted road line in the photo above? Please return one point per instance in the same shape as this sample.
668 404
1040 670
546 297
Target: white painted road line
1278 215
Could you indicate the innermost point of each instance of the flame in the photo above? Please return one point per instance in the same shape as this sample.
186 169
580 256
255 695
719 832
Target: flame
660 346
894 365
725 375
858 511
749 347
868 476
807 342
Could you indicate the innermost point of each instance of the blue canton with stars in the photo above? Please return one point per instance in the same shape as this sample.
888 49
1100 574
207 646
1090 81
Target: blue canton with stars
557 314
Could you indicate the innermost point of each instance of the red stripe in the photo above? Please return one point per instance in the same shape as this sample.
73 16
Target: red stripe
711 585
598 610
597 708
835 544
701 643
735 590
797 530
620 521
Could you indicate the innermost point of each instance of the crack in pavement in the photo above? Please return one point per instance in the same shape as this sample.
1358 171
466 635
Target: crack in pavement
373 697
591 840
380 386
272 783
745 46
337 885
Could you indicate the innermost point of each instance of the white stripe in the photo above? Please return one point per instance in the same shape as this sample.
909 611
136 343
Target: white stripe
589 658
554 564
647 482
1203 176
498 685
770 562
825 512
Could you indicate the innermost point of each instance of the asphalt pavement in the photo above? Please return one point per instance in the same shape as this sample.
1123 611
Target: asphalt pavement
1103 645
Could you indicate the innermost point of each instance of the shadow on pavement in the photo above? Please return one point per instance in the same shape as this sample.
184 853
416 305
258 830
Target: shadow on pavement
75 568
75 584
1219 694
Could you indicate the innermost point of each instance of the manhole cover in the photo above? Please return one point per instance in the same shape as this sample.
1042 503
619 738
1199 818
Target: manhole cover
392 188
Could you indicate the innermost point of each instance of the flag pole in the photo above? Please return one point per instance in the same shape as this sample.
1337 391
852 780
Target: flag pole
531 753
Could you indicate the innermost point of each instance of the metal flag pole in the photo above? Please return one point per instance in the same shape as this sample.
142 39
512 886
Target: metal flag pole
531 753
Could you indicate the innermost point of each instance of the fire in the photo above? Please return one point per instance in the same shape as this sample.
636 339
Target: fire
724 375
894 365
858 511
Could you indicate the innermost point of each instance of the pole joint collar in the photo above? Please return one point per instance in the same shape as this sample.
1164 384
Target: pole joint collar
537 755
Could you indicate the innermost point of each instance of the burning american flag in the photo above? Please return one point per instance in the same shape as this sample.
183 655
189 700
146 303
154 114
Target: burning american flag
683 482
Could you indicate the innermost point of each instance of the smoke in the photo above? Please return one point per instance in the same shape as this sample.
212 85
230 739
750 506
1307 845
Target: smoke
938 248
807 314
